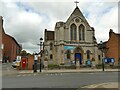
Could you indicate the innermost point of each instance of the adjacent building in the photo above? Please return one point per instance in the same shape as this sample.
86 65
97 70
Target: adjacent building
1 39
71 41
10 48
112 49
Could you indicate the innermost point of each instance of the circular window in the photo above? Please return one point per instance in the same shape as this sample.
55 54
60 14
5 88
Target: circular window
77 20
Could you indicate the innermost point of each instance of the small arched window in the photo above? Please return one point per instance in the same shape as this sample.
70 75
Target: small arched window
81 32
68 54
88 54
73 32
51 46
51 56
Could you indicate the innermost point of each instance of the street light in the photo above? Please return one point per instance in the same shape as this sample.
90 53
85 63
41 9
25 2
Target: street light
101 47
35 62
41 54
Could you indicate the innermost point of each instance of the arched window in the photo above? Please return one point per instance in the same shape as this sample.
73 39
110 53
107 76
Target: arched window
51 56
68 54
88 54
73 32
51 46
81 32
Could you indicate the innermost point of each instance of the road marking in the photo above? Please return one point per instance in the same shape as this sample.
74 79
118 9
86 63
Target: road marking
54 74
94 85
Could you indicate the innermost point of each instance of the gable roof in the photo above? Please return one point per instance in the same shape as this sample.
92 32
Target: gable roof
77 13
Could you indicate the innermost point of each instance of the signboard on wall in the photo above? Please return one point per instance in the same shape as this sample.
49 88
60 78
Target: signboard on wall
35 57
109 60
69 48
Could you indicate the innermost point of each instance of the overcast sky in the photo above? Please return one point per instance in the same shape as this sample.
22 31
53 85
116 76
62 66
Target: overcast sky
26 21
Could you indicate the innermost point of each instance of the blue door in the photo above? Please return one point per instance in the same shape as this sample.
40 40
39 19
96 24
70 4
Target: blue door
78 57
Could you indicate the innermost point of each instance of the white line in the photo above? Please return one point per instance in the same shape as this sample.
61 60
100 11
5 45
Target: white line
94 85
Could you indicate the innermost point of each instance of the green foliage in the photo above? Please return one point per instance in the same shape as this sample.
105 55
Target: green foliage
98 66
24 53
53 66
62 64
68 67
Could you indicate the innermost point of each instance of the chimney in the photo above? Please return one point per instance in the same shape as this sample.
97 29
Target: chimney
45 37
110 32
1 21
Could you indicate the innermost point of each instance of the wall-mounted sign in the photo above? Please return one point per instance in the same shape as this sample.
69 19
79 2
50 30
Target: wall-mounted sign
109 60
69 48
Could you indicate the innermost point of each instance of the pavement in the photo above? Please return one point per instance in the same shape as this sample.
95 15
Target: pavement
83 70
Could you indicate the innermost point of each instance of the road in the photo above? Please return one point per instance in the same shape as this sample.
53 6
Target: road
8 69
57 80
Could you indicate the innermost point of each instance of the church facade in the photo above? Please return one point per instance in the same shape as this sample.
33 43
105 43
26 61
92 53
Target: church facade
71 41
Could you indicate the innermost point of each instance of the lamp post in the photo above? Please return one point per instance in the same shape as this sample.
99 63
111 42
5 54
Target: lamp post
41 54
35 62
101 47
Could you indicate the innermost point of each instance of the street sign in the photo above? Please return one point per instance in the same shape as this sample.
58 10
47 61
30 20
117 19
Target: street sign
35 57
19 58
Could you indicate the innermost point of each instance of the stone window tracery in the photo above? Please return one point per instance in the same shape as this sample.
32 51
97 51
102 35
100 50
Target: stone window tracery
73 32
81 32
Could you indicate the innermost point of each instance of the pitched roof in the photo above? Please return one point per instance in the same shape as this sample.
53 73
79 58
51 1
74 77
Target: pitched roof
14 40
77 12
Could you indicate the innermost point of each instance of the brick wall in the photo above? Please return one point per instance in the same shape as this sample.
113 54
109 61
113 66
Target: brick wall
10 46
30 62
0 38
112 45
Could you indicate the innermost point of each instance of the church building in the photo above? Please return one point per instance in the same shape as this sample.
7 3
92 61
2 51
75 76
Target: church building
71 41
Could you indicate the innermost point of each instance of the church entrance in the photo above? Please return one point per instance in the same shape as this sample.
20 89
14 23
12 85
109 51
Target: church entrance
78 57
78 54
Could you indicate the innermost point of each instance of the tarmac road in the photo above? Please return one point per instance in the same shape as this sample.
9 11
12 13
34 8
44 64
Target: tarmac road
57 80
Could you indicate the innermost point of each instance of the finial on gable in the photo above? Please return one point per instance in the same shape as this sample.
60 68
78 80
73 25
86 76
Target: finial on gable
76 2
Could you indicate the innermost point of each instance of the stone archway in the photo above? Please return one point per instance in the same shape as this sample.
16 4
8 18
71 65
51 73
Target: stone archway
78 54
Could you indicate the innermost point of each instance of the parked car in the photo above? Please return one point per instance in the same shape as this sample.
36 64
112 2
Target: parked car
14 64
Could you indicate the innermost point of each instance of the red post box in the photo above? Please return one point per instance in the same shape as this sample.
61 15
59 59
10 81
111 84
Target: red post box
24 63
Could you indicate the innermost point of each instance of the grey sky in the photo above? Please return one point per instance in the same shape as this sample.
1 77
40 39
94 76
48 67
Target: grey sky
26 21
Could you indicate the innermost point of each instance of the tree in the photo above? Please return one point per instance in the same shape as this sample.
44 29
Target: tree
24 53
